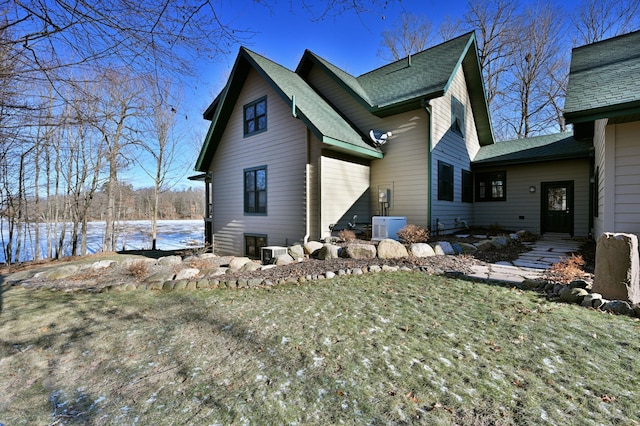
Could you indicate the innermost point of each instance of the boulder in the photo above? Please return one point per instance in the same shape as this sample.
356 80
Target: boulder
468 248
500 241
618 267
284 259
619 307
238 262
187 274
484 245
102 264
573 295
296 252
63 272
360 251
159 277
391 249
250 266
443 247
170 261
421 250
329 251
312 246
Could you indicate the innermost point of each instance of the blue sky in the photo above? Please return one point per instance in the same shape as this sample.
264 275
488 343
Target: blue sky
284 29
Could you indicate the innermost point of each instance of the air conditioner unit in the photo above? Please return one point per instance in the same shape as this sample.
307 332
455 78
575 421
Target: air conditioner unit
387 227
268 254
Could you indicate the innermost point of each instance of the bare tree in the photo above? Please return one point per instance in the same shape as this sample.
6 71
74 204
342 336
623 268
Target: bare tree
409 35
597 20
162 148
493 22
537 64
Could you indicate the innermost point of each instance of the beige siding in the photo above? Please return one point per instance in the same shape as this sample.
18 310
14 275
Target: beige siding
522 208
314 186
453 149
600 159
282 149
344 192
627 178
404 168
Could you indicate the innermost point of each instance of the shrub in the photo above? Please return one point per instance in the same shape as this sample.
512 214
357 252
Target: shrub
347 235
413 234
567 270
139 268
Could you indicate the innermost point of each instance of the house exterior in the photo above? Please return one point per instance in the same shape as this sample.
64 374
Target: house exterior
603 104
291 156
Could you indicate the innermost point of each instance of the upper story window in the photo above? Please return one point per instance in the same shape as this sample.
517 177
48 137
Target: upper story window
491 186
255 190
457 116
255 117
445 181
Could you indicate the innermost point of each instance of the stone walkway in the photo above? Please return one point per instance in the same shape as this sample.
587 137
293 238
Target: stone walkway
549 249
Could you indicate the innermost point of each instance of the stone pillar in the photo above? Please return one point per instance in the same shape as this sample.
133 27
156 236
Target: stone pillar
618 267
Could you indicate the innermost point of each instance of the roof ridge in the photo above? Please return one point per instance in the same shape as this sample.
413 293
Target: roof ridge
606 40
403 59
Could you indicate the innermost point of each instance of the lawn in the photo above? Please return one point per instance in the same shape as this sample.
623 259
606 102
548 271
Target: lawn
387 348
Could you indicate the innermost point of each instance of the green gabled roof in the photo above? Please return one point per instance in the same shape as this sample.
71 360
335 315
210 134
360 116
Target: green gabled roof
559 146
403 85
314 111
604 79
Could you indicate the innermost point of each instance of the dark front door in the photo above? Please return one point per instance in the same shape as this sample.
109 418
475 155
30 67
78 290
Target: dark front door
557 207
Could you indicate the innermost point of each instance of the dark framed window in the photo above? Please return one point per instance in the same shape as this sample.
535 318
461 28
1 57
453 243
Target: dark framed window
467 186
255 190
491 186
457 116
255 117
253 244
445 181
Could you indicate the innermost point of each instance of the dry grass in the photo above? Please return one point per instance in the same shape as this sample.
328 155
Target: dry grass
411 234
347 235
139 268
567 270
389 348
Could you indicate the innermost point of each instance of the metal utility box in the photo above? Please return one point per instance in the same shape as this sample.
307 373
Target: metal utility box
387 227
268 254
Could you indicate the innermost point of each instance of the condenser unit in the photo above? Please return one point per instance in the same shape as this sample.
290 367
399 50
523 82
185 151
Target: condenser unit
268 254
387 227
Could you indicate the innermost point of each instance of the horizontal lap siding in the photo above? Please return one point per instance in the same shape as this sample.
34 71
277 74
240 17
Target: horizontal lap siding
599 152
282 148
453 149
521 202
344 193
627 178
404 168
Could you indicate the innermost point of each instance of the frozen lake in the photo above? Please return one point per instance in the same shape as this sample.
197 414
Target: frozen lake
132 235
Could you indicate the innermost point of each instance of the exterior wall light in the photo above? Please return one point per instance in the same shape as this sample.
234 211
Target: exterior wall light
532 189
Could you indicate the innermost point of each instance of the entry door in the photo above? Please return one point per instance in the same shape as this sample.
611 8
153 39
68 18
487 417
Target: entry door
557 207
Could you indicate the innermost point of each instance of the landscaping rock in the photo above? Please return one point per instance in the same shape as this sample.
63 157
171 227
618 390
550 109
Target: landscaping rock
159 277
618 307
590 298
329 251
238 262
360 251
329 274
62 272
579 284
457 249
250 266
573 295
421 250
618 267
443 247
296 252
391 249
484 245
468 248
187 274
102 264
170 261
312 246
284 259
375 268
387 268
500 241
